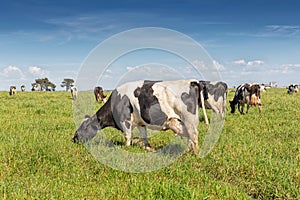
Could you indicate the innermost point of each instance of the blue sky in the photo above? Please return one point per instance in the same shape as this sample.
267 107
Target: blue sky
250 41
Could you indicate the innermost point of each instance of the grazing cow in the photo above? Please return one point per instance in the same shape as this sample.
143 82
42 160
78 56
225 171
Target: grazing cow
23 88
12 90
99 94
74 92
35 88
293 88
214 96
158 105
246 94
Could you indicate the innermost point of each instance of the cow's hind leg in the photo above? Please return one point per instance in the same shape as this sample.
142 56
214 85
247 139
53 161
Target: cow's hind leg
185 129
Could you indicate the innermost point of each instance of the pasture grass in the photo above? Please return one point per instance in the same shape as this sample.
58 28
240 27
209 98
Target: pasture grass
257 155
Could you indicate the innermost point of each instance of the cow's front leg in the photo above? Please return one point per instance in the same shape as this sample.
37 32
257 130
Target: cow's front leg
241 107
143 132
248 106
126 127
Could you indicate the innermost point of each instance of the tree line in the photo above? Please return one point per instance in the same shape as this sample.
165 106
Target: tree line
44 84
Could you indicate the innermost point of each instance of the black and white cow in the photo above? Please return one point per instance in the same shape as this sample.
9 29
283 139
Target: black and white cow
215 95
23 88
12 90
99 94
247 93
157 105
35 88
74 92
293 88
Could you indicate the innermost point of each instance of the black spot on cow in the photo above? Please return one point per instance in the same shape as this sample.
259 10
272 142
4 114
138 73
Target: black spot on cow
121 109
217 90
150 108
191 99
104 114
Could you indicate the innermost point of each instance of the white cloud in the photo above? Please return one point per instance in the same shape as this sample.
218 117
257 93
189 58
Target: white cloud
109 71
218 65
130 68
200 64
37 71
284 30
242 62
12 72
271 31
255 62
239 62
291 65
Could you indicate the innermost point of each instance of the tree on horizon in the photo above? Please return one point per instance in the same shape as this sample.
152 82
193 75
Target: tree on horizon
44 84
68 83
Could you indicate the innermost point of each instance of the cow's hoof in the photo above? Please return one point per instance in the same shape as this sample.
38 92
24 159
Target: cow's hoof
150 149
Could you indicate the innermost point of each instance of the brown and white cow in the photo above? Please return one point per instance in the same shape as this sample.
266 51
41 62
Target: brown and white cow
12 90
214 97
99 94
157 105
247 93
293 88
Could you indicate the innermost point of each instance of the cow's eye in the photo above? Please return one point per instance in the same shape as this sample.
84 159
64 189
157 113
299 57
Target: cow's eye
94 127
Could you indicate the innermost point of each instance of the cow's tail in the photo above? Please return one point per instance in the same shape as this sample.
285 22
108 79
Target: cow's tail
203 108
203 96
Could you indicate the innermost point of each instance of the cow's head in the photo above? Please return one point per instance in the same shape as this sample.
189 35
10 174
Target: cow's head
296 88
232 106
87 130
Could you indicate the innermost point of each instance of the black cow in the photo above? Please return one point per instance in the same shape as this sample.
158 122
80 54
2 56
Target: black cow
214 96
246 94
99 94
158 105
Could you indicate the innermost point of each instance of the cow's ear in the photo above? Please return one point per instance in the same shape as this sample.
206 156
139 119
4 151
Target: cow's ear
87 116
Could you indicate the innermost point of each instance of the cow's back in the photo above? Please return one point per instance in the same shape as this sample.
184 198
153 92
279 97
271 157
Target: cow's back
153 102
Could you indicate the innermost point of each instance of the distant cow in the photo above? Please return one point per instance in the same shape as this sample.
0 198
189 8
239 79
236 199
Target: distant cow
99 94
246 94
293 88
35 88
214 96
74 92
158 105
262 88
12 90
23 88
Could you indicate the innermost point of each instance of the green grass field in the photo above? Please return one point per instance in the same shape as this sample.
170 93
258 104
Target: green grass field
257 155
